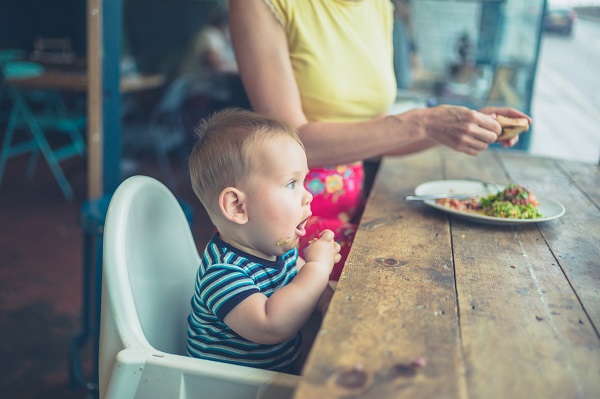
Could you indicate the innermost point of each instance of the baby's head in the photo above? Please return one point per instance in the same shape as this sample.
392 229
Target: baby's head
225 152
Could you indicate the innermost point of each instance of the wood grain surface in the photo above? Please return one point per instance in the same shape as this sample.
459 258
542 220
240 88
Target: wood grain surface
77 81
430 306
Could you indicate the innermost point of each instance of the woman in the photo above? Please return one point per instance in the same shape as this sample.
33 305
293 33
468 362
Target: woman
326 68
210 65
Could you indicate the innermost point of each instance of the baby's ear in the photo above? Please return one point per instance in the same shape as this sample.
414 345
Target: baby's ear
232 203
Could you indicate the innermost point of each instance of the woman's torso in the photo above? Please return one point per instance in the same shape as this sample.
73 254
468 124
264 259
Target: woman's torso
341 54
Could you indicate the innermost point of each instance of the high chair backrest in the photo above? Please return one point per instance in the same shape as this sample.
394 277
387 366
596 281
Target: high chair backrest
149 270
151 260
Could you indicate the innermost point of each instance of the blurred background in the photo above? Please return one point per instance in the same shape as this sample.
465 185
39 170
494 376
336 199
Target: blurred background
536 55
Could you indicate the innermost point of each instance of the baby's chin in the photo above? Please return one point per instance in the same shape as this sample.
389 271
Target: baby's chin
286 244
273 251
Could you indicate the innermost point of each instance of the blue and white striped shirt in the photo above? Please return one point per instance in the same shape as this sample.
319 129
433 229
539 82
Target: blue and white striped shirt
225 278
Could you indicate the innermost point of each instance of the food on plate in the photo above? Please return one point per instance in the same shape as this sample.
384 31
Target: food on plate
513 202
511 127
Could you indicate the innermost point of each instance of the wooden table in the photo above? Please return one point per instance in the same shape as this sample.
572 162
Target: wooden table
494 311
77 81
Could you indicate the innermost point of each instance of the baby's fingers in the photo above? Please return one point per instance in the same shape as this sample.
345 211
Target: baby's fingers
337 247
327 235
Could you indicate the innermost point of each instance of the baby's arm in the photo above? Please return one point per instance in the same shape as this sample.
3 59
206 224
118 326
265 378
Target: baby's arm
325 299
279 317
323 303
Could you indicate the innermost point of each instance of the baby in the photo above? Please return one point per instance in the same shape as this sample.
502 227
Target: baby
253 292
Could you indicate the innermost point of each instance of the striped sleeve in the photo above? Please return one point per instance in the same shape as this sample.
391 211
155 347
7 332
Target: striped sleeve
224 287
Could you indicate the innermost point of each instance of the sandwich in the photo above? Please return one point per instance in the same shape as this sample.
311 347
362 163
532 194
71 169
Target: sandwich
511 127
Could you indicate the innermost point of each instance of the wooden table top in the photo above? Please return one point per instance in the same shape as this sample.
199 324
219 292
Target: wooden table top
492 311
77 81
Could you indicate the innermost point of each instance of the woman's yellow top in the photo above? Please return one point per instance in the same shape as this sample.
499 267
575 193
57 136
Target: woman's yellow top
341 53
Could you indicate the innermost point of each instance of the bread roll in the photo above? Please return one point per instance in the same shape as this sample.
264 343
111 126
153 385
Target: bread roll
511 127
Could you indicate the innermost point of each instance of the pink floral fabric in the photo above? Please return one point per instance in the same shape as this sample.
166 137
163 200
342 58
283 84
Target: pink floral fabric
337 205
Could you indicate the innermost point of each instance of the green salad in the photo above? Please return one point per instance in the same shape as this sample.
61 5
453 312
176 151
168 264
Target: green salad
514 202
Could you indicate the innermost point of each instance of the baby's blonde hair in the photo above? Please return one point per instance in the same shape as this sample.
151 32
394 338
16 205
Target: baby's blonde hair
223 154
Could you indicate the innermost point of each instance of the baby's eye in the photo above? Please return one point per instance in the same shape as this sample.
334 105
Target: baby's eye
291 184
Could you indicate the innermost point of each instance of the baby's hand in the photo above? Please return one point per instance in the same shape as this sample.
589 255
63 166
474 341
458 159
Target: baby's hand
323 250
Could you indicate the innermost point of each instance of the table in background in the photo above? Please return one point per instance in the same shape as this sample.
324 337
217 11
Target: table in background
495 311
56 115
77 81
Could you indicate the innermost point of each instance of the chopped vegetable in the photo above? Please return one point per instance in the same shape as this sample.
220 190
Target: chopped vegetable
514 202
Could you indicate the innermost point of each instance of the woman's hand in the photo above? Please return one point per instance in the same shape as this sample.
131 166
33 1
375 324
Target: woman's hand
460 128
464 129
509 112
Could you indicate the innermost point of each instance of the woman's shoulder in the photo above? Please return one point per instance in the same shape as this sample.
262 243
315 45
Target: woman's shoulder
280 8
287 11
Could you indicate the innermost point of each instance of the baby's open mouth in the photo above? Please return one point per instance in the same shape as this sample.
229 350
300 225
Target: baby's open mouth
301 228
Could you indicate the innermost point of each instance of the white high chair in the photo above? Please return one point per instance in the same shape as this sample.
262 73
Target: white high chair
150 263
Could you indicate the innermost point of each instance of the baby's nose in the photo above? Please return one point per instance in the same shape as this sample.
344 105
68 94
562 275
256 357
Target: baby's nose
307 197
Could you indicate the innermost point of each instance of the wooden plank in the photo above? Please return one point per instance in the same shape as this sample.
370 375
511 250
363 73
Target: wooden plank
94 99
520 318
513 293
521 323
486 166
78 82
395 301
68 81
575 238
546 177
587 177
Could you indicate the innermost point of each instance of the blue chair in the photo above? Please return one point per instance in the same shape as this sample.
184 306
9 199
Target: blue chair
8 55
11 54
39 113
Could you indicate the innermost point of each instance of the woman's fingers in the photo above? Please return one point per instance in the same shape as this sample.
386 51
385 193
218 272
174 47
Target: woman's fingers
463 129
509 112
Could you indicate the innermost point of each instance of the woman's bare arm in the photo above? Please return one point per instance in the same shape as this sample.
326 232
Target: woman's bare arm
262 53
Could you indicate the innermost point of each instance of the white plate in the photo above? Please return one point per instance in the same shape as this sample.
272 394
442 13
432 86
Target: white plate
549 208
